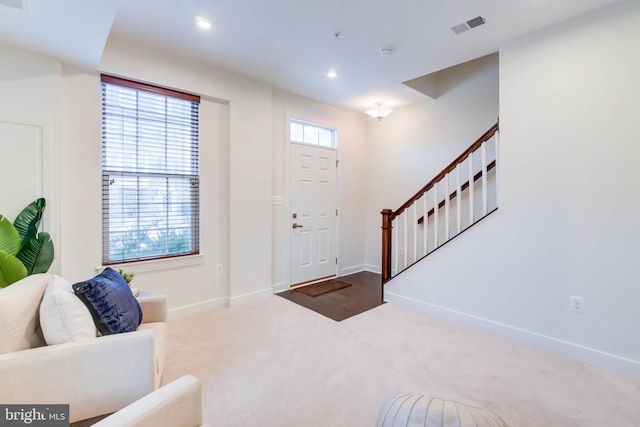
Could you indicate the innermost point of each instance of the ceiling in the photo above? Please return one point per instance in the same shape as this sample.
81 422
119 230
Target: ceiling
292 44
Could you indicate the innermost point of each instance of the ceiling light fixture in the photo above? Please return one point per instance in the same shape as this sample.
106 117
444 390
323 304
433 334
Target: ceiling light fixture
332 74
379 112
203 23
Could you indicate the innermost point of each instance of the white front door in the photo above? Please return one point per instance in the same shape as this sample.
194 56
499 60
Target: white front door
313 218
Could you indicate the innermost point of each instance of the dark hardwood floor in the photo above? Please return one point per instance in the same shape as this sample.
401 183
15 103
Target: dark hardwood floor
364 294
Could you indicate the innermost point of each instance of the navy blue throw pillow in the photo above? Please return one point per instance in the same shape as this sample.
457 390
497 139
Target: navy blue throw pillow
111 302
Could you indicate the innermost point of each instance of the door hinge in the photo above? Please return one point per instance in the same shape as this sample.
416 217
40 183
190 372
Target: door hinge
336 212
337 161
336 261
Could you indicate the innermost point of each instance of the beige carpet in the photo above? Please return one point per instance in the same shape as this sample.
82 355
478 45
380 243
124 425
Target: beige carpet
274 363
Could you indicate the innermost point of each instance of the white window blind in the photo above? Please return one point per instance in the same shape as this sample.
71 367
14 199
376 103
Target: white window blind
150 172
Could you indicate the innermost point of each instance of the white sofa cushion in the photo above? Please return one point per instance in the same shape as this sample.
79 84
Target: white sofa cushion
160 331
19 305
63 316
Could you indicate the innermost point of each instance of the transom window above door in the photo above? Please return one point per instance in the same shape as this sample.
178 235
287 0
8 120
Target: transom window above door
308 133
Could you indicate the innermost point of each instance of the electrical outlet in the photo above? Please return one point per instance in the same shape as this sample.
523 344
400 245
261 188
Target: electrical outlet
576 304
219 270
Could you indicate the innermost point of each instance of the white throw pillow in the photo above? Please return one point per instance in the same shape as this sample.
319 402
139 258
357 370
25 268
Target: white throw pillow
63 316
19 304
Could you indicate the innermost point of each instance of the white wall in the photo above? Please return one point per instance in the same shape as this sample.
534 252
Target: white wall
569 218
29 118
242 165
235 179
80 154
409 147
249 103
351 147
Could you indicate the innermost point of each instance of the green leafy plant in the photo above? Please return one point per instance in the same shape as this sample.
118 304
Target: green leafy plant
24 251
126 275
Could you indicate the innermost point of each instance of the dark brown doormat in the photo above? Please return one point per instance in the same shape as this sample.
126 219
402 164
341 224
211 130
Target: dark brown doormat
322 287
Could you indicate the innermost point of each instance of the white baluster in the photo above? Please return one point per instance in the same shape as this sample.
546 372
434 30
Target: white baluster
436 214
458 199
405 215
483 150
446 207
396 245
414 225
470 188
425 222
497 137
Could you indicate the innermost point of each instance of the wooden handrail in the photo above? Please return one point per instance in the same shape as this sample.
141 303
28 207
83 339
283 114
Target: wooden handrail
453 195
485 137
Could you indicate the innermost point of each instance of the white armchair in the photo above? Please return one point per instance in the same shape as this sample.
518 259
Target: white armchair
94 375
177 404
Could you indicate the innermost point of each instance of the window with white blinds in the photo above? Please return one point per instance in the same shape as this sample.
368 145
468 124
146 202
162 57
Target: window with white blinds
150 172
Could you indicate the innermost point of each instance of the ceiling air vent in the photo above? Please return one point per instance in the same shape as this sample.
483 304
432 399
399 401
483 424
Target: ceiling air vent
471 23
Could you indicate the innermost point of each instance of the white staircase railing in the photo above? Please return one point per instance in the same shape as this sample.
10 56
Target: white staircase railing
458 197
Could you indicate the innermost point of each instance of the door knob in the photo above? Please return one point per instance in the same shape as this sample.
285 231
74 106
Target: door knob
297 225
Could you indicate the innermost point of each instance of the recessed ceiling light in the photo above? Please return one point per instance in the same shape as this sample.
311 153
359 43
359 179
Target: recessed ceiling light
332 74
203 23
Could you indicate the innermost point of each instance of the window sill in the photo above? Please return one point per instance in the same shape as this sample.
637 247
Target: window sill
157 264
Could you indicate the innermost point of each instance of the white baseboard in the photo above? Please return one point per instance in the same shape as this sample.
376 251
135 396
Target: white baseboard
597 357
199 307
279 287
250 297
351 270
373 268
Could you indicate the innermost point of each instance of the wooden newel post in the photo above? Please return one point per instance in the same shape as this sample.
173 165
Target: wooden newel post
386 244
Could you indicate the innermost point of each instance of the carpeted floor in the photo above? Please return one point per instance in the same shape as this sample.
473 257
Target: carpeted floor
275 363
